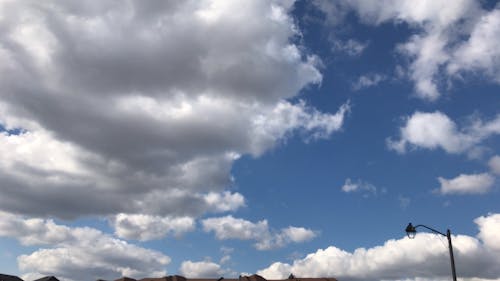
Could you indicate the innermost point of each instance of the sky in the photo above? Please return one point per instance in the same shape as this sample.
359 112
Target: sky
215 138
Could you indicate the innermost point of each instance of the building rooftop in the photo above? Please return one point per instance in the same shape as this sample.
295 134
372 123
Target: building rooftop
5 277
48 278
254 277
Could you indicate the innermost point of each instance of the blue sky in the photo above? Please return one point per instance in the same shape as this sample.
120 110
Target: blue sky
219 138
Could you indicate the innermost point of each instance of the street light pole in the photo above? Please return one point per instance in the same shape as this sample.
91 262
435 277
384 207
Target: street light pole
411 231
452 258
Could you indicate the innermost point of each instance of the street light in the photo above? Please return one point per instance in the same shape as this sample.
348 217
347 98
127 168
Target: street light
411 231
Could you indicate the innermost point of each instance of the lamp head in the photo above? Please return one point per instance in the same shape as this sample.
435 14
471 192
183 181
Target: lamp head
411 231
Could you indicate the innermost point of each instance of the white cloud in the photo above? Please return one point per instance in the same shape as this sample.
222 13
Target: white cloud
368 80
298 234
489 227
449 39
428 49
38 231
467 184
494 164
285 236
145 227
349 186
480 52
436 130
438 13
429 54
201 269
144 107
79 253
351 47
359 185
431 130
229 227
268 128
425 257
223 202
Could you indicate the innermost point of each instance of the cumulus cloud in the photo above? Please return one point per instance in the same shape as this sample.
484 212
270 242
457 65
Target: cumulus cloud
426 256
144 227
298 234
229 227
225 201
38 231
448 40
142 108
272 240
78 253
488 230
467 184
201 269
437 130
45 176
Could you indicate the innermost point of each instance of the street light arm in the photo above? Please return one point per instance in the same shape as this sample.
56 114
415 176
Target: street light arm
431 229
411 231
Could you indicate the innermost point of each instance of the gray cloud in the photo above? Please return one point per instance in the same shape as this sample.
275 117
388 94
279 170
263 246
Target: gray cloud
140 107
143 227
